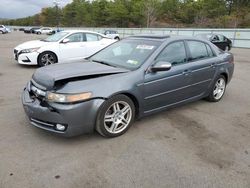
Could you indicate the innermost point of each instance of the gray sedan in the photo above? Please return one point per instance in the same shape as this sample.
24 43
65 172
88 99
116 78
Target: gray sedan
127 80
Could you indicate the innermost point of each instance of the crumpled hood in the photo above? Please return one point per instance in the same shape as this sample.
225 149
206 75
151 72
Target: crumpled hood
32 44
49 75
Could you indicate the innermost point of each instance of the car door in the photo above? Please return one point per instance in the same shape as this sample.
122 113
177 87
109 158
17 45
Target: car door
74 49
163 89
202 63
94 43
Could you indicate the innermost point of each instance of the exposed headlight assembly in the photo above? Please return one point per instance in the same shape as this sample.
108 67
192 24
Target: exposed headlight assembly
30 50
67 98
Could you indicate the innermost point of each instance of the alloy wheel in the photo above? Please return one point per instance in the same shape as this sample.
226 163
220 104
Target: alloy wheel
219 88
47 59
117 117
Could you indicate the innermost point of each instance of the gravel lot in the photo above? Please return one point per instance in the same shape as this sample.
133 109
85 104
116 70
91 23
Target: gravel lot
197 145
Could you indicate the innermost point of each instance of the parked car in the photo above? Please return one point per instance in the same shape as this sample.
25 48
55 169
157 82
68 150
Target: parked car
3 29
112 34
129 79
65 46
43 30
30 29
220 41
8 30
54 31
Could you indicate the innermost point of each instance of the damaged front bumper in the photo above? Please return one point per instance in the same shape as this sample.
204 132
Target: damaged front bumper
76 118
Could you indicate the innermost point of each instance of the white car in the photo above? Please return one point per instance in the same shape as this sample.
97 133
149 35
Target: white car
43 30
63 47
112 34
3 29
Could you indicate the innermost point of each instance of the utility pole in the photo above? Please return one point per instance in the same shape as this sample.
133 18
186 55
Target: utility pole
57 3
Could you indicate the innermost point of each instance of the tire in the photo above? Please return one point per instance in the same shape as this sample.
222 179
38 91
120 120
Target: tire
39 33
117 38
1 32
227 48
115 116
46 58
218 89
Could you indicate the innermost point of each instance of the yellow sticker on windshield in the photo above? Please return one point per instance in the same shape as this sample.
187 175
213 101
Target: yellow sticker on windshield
145 47
133 62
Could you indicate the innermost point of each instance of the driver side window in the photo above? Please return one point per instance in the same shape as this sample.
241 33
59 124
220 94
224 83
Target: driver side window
77 37
174 53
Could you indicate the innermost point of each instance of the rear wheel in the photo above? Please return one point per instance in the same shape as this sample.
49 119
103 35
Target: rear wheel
115 116
46 58
218 89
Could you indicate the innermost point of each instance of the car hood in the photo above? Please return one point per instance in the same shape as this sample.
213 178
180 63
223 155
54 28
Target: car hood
32 44
47 77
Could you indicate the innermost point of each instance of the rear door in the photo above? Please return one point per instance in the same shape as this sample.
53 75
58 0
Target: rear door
202 62
94 43
163 89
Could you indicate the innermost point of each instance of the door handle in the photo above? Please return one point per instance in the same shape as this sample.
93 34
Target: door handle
186 72
213 65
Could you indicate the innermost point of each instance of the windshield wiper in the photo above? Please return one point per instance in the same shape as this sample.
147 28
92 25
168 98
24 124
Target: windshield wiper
103 62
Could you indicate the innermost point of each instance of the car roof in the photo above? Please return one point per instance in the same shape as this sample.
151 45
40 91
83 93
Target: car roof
163 38
84 31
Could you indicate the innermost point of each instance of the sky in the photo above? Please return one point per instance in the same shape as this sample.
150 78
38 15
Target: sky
23 8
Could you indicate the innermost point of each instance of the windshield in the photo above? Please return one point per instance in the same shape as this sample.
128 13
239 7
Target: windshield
129 54
56 37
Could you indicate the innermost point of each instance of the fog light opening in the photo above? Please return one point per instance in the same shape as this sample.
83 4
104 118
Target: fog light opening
60 127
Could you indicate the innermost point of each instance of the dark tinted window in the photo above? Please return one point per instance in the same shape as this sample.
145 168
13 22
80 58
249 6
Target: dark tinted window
197 49
209 51
174 53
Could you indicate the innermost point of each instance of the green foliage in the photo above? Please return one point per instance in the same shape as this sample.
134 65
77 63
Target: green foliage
143 13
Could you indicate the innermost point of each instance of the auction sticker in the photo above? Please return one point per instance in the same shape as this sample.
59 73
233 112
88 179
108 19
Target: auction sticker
133 62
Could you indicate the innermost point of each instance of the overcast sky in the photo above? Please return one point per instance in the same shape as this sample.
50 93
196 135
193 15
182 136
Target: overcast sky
23 8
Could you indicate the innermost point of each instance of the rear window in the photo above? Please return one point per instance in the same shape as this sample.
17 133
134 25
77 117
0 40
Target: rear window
198 50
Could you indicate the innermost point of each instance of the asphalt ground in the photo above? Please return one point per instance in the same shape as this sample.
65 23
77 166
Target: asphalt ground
199 145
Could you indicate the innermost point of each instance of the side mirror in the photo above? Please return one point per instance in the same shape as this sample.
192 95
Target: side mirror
64 41
161 66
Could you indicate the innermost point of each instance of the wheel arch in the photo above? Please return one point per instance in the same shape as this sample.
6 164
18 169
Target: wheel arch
225 75
134 100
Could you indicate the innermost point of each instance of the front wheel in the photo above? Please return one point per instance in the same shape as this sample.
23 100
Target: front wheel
46 58
115 116
218 89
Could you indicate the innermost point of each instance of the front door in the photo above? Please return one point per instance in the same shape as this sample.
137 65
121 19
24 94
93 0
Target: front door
74 49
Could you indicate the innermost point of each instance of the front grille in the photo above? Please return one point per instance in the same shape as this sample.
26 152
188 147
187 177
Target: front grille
42 123
47 125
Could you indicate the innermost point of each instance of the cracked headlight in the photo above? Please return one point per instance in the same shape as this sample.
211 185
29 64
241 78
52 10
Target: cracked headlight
67 98
30 50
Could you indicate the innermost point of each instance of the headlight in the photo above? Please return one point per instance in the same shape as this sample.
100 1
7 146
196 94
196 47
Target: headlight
67 98
29 50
